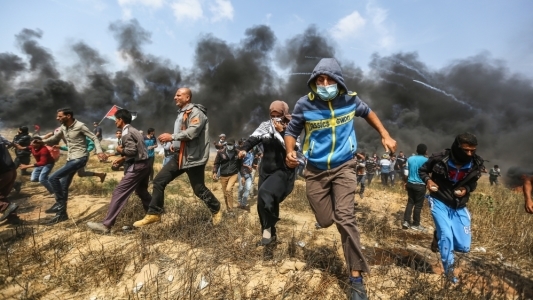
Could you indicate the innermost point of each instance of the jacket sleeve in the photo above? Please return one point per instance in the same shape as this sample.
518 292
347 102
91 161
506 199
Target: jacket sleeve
425 169
53 140
250 143
216 165
93 137
471 186
130 146
297 123
361 109
195 124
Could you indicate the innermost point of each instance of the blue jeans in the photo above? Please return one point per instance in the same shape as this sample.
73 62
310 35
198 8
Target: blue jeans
167 159
453 230
244 191
40 174
62 178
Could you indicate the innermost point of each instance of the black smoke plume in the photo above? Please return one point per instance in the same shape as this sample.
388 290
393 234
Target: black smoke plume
237 82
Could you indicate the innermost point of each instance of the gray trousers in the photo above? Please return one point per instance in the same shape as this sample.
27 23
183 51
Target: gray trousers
135 180
331 195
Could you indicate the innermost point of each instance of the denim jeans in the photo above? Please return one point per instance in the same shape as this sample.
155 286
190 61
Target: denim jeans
40 174
167 159
244 190
61 179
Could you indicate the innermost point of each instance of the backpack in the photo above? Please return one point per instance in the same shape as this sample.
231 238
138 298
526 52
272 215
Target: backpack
54 152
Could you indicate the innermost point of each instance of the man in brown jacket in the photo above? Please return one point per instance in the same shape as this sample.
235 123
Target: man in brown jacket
136 171
191 129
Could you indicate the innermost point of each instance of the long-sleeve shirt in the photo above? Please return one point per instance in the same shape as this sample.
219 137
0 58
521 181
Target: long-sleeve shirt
42 156
133 144
90 145
75 135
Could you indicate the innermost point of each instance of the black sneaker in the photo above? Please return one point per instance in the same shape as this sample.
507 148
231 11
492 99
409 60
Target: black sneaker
17 186
358 291
60 217
9 210
54 209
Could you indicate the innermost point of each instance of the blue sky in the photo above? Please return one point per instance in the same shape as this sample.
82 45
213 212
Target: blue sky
440 31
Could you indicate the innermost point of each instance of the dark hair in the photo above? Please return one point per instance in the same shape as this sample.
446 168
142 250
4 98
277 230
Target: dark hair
496 166
23 129
150 130
230 141
421 149
37 138
66 111
123 114
467 138
118 130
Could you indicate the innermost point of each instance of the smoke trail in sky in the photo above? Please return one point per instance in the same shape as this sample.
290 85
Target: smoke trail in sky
445 93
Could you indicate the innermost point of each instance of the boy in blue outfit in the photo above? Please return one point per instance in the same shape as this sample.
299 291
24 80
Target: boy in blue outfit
151 143
416 190
450 177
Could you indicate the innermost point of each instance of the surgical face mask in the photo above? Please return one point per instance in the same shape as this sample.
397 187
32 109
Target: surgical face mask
327 92
230 147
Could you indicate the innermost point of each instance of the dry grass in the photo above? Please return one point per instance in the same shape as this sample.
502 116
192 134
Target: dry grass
185 245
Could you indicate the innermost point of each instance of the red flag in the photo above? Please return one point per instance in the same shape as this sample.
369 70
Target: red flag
111 113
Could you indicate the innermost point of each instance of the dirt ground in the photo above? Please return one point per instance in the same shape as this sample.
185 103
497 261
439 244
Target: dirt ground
394 253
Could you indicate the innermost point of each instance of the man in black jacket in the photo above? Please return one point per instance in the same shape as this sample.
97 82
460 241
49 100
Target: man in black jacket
450 177
8 174
229 164
22 156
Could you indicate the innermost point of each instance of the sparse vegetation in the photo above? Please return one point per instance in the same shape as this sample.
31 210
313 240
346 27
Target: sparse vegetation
185 252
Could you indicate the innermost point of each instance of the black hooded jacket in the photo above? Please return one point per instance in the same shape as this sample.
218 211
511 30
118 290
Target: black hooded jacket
228 162
436 169
24 140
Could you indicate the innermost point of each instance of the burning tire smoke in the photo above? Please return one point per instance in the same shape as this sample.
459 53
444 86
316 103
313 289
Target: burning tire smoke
237 82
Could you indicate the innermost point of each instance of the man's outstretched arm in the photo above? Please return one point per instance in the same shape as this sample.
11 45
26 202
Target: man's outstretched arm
388 142
527 188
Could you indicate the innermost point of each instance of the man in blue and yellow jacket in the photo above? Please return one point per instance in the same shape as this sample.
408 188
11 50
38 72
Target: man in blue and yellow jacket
327 116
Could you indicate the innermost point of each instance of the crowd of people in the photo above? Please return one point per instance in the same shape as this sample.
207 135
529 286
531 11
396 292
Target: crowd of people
326 159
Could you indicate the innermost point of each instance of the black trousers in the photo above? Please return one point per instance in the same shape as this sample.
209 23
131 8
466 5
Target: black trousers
273 189
361 179
22 160
385 178
369 178
196 177
415 194
151 161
